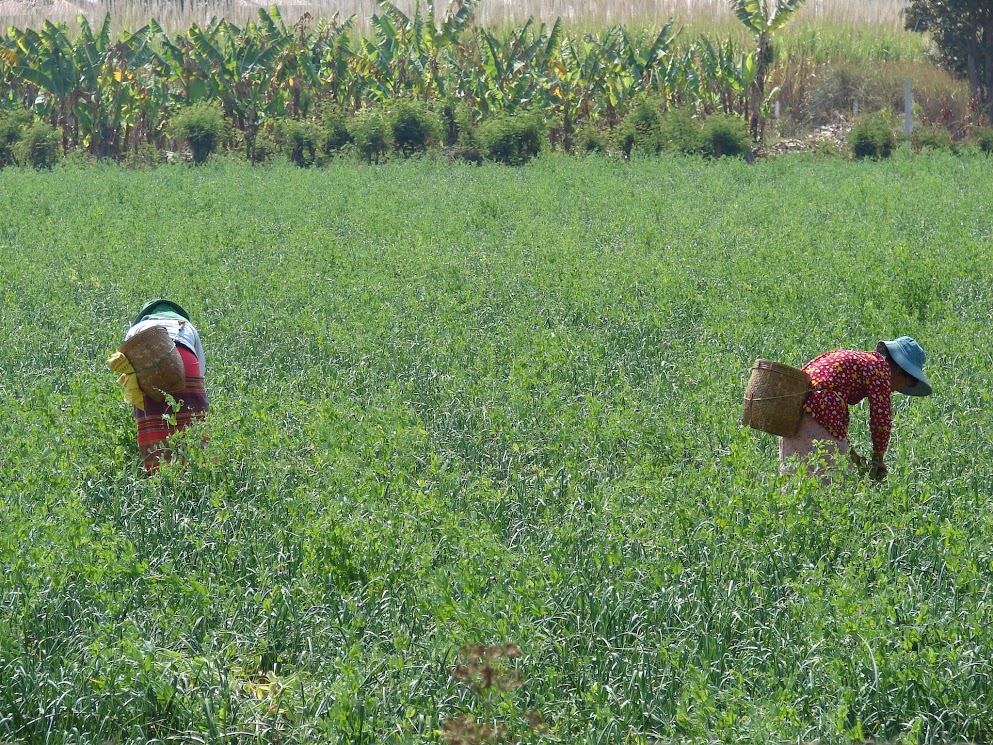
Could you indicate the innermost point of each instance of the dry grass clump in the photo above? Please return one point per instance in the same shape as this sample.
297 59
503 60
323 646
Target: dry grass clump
938 97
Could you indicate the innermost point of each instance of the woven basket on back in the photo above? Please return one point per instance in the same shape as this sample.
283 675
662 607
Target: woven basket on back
774 398
156 361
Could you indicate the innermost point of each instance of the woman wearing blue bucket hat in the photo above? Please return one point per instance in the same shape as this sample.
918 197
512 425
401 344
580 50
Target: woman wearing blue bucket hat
841 378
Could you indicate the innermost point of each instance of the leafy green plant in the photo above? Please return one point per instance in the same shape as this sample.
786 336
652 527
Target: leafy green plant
299 140
202 126
413 127
872 137
639 131
370 132
466 131
589 139
983 137
932 137
679 132
334 133
40 146
725 135
147 154
12 126
265 146
512 139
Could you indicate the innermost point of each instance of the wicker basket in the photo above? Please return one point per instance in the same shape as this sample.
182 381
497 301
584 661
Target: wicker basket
774 398
156 361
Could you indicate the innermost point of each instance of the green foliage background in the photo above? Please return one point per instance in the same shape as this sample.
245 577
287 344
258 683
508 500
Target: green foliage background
456 405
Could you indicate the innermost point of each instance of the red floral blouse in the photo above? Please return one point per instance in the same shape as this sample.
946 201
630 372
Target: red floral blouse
841 378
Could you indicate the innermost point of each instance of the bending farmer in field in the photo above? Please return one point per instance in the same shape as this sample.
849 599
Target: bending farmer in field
841 378
157 420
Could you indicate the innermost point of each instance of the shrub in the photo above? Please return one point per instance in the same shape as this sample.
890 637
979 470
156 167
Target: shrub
413 127
458 130
932 137
12 126
40 146
334 134
202 126
370 133
983 137
512 140
468 131
589 139
145 155
679 132
872 137
265 145
639 130
449 124
725 135
827 149
467 154
299 141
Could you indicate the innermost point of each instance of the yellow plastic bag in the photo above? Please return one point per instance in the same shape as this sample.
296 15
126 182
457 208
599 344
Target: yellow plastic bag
118 363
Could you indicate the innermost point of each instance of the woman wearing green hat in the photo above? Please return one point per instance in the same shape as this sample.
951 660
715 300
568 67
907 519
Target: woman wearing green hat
157 420
841 378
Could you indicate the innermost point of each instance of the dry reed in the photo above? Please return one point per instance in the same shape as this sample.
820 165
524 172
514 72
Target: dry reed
173 15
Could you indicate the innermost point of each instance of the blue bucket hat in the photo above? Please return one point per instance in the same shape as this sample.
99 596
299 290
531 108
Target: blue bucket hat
908 354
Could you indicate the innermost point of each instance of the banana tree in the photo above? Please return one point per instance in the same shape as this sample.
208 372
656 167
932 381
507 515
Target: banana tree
104 107
728 74
762 18
12 95
313 65
44 65
330 51
417 42
236 65
145 106
631 70
573 82
382 64
507 72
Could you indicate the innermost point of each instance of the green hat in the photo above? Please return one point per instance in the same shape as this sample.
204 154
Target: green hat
157 306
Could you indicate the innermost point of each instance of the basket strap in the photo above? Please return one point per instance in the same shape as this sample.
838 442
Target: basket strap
157 362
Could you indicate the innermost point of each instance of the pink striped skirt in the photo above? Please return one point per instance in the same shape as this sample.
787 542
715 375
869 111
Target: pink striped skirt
158 420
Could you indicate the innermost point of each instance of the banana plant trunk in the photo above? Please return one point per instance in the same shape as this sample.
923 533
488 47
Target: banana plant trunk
756 91
567 126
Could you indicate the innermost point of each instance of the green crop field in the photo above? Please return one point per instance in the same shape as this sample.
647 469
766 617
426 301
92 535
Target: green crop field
478 405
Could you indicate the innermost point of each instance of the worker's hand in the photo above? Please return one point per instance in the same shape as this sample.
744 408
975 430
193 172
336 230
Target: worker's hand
877 471
858 461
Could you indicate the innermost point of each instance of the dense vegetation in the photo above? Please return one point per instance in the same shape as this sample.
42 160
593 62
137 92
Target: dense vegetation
457 405
963 37
113 94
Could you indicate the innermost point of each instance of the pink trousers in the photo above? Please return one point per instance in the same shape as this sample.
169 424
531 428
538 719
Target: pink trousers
813 451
